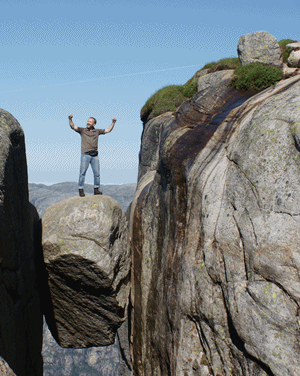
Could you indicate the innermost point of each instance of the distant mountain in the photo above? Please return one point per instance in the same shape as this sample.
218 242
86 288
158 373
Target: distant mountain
100 361
42 196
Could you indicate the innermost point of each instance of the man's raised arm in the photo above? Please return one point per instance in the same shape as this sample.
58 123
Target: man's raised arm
111 127
72 124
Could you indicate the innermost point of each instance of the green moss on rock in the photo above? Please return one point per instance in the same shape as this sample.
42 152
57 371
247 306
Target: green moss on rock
167 98
226 63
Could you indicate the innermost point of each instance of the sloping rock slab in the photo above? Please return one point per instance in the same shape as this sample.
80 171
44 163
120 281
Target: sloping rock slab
86 253
261 47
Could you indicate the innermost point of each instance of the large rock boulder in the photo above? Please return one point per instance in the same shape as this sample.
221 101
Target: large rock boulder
86 253
261 47
214 236
20 311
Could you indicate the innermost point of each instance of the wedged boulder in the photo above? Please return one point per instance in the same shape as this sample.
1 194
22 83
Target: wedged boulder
86 253
21 321
215 241
261 47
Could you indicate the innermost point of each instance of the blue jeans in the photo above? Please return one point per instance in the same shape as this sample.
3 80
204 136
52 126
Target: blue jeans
84 164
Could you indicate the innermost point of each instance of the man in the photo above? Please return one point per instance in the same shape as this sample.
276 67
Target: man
89 151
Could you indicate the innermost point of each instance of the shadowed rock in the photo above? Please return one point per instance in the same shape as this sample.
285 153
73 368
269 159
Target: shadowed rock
260 47
20 311
86 253
214 237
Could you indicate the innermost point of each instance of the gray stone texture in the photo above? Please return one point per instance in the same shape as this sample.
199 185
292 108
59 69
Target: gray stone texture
294 59
261 47
20 311
86 253
215 240
150 139
294 45
212 79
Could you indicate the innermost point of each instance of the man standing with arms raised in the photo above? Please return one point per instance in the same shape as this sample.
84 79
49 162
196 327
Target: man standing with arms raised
89 151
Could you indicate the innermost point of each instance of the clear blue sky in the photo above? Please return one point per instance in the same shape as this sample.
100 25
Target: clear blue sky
105 59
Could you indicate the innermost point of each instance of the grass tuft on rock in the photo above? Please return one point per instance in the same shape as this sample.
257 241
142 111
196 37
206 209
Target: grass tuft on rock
227 63
167 98
285 51
255 77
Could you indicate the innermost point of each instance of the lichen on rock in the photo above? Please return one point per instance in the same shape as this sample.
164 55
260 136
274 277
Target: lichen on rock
261 47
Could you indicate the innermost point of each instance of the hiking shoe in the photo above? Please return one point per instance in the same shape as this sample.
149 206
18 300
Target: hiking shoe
97 192
81 193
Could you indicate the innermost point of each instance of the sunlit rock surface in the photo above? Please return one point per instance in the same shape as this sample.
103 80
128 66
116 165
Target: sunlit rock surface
214 236
86 253
259 47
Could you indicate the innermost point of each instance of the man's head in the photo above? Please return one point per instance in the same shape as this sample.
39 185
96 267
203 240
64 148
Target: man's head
91 122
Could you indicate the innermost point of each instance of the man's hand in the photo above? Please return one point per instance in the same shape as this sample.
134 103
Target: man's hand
71 123
111 127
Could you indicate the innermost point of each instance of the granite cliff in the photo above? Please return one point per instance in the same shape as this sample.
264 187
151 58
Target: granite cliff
214 230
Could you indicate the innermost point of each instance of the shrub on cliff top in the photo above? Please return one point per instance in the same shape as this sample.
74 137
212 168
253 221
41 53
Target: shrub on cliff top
255 77
167 99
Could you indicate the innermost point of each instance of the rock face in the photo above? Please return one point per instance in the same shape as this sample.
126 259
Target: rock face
214 238
20 312
85 245
212 79
260 47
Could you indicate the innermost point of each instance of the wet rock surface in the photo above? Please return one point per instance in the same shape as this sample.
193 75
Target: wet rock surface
214 237
85 245
20 311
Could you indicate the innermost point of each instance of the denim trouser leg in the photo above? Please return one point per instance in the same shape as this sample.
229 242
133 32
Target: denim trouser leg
96 170
84 164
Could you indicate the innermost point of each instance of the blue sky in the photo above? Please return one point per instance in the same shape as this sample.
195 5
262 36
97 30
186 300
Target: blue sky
105 59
